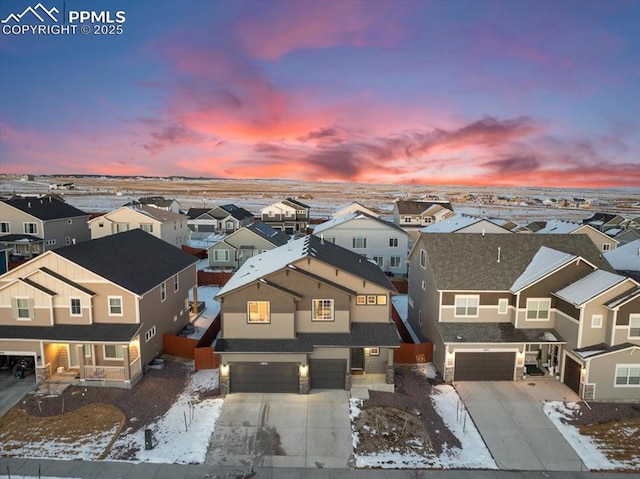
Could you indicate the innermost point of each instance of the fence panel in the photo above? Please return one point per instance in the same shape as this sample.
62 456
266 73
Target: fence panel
410 353
205 358
213 277
179 346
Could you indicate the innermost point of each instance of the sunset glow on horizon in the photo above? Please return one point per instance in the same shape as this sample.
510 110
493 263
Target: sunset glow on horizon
478 92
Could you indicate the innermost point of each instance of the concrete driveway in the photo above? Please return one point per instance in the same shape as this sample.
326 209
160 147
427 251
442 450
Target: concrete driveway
12 389
283 430
510 419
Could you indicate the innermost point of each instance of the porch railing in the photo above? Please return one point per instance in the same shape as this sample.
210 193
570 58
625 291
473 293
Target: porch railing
135 367
104 373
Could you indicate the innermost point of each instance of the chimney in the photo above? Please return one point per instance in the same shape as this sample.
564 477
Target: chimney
499 249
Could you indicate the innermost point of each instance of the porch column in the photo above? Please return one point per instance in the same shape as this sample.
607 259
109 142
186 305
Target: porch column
194 308
125 359
80 354
390 372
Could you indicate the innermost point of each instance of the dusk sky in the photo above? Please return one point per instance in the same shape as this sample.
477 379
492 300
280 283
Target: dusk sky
504 93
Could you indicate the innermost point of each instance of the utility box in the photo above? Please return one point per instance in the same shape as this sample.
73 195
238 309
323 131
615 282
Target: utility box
148 439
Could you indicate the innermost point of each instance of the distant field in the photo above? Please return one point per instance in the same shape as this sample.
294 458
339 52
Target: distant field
104 194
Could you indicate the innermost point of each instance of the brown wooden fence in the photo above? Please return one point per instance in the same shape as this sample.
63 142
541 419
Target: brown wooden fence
205 358
211 277
402 285
410 353
179 346
197 252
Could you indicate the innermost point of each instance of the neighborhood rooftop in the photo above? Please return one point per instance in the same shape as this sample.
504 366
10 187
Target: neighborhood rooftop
589 287
354 215
156 213
45 208
451 225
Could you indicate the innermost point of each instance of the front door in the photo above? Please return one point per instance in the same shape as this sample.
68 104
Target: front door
357 359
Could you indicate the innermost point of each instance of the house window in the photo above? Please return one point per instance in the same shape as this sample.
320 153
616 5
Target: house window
503 304
393 242
359 242
374 351
330 240
379 260
220 255
423 258
230 225
31 228
115 305
420 317
394 262
606 246
538 308
67 240
258 312
149 334
176 284
51 242
634 326
5 227
76 309
163 291
100 225
407 219
112 351
427 219
371 299
424 285
627 375
467 306
122 227
382 299
23 308
322 310
596 321
148 227
361 299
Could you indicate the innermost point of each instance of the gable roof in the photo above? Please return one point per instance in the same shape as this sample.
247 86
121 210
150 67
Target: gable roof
275 237
159 201
193 213
155 213
296 203
287 255
545 261
415 207
602 218
559 227
589 287
623 298
134 260
455 223
237 212
602 349
625 257
354 215
45 208
469 261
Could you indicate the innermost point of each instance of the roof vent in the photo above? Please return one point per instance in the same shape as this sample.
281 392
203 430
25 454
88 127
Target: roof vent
499 251
29 205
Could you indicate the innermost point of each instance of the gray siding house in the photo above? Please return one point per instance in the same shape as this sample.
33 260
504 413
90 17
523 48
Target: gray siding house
289 215
305 315
221 219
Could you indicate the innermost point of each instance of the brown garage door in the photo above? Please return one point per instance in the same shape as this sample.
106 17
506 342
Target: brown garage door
263 378
572 374
327 373
484 366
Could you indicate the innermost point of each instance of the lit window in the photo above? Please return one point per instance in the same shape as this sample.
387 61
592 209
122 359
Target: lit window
371 300
75 307
359 242
467 306
258 312
115 306
361 299
628 375
538 308
374 351
322 310
112 351
382 299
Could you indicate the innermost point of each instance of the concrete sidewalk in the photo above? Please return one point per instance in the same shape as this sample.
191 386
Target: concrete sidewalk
519 435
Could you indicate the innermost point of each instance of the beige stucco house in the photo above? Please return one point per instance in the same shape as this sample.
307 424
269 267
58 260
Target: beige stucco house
98 308
305 315
165 225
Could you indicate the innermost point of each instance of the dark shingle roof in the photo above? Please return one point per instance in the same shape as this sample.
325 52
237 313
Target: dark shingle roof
159 201
135 260
237 212
414 207
494 333
362 335
297 203
275 237
67 281
469 261
45 208
102 332
12 238
603 348
194 213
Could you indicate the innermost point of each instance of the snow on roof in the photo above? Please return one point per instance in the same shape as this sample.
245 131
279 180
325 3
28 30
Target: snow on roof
354 215
590 286
549 336
625 257
544 262
451 225
559 227
586 354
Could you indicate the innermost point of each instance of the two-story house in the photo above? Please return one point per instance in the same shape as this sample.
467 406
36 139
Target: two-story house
604 221
221 219
234 249
30 226
384 243
288 215
601 240
420 213
159 202
305 315
166 225
98 308
502 307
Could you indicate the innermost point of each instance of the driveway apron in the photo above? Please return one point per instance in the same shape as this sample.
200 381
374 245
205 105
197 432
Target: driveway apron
283 430
516 430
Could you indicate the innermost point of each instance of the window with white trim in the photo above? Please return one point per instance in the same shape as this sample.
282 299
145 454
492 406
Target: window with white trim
148 227
23 308
393 242
503 304
538 308
149 334
220 255
329 239
322 310
112 351
379 260
122 227
634 326
359 242
374 351
407 219
596 321
361 299
5 227
627 375
371 299
258 312
31 228
606 246
115 305
466 306
76 307
394 261
420 317
424 285
176 284
423 258
163 291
